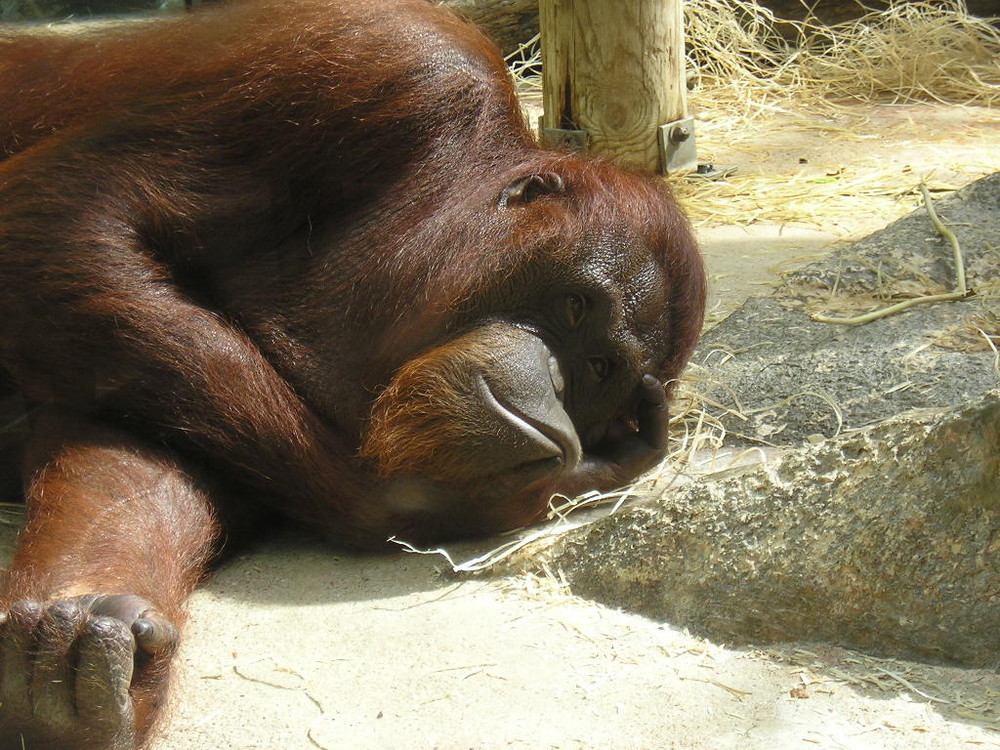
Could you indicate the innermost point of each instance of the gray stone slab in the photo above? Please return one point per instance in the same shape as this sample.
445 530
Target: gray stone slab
785 377
885 540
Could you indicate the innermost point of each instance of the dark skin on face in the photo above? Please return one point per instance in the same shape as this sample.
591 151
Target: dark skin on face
319 269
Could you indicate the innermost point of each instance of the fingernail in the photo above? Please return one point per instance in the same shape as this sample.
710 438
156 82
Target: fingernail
142 629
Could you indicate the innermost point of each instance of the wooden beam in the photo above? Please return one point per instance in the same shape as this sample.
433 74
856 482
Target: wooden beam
614 69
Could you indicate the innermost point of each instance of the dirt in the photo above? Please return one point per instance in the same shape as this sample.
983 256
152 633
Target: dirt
297 646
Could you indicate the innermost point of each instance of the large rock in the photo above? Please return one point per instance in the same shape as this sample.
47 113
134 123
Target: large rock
786 378
510 23
886 540
39 10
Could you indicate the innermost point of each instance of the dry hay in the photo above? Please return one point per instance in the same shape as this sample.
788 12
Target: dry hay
830 202
525 64
752 74
749 79
959 695
912 51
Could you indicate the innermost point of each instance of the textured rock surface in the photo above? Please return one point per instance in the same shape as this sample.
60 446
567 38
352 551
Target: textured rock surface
786 377
887 540
509 23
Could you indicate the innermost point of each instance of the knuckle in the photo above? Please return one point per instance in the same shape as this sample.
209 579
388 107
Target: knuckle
66 611
25 610
108 631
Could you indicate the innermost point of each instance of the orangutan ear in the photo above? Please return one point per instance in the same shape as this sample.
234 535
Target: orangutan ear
524 190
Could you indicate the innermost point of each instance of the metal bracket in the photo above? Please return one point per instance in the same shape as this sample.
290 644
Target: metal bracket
709 171
677 146
676 140
575 140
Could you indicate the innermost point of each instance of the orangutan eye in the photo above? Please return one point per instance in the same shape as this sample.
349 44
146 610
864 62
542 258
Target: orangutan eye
576 308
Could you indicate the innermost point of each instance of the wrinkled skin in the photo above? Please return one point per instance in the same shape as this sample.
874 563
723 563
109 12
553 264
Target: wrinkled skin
71 662
320 269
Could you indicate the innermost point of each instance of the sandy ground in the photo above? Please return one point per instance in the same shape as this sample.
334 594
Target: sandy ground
293 647
296 646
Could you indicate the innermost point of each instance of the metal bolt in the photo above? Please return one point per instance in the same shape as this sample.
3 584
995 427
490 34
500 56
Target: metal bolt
680 134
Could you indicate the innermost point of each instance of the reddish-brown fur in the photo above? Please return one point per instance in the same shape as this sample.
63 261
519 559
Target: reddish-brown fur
237 249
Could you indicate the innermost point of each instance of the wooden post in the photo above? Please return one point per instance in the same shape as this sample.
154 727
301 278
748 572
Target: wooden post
613 69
